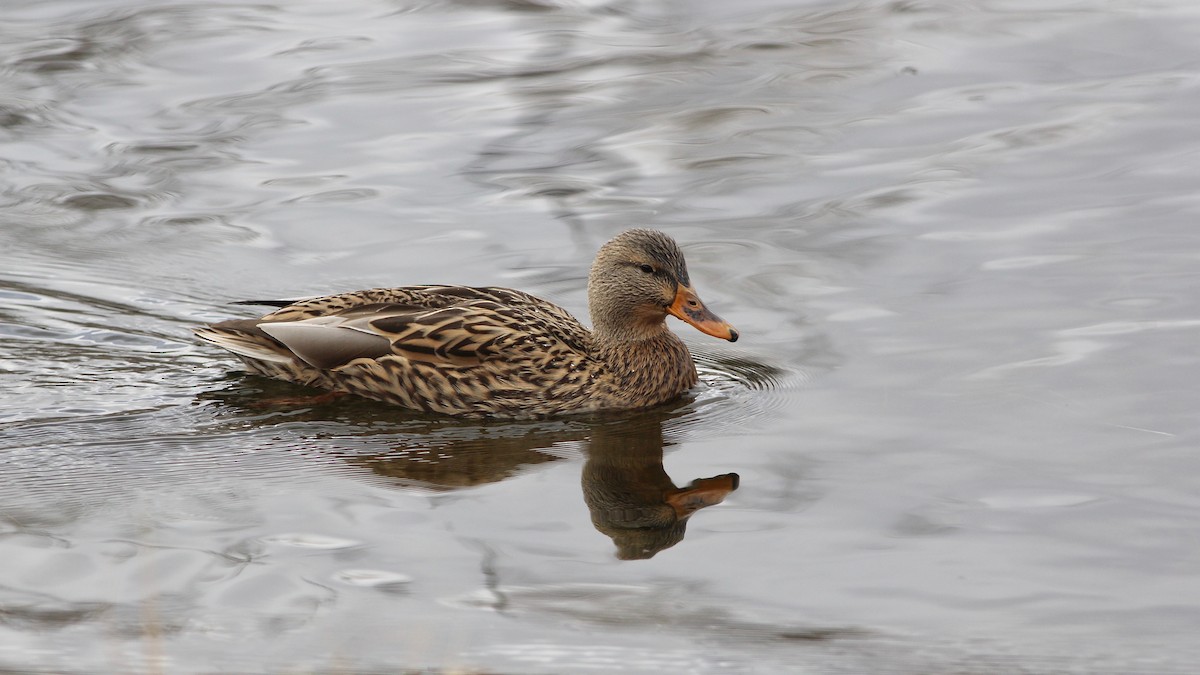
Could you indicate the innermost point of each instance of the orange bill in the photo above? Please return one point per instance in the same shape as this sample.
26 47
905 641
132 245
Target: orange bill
687 306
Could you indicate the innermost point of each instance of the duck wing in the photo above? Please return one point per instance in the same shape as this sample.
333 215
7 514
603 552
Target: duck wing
448 326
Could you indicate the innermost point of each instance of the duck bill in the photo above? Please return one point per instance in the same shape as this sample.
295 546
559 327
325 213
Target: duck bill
688 307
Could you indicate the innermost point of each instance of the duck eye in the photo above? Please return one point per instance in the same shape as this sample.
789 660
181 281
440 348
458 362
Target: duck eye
648 269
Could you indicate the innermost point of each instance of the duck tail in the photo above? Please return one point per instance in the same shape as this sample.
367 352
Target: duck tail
244 338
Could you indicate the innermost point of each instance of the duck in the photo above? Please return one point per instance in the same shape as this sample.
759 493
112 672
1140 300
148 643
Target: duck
488 351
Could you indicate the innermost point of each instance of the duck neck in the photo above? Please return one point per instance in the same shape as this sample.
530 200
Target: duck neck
652 365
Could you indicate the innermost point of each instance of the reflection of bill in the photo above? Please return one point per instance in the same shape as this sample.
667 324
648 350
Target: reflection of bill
631 497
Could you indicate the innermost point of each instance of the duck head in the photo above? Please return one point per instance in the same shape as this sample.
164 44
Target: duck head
638 278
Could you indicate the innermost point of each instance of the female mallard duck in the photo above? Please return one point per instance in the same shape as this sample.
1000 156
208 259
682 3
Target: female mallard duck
492 351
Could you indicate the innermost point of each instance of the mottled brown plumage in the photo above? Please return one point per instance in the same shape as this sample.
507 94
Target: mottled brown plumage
492 351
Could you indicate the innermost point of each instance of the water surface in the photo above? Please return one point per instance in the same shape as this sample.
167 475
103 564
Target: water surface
958 240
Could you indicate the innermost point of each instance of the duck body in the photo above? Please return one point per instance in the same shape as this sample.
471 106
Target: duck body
483 351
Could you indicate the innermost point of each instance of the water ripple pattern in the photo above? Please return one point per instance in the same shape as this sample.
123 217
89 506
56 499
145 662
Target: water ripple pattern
957 435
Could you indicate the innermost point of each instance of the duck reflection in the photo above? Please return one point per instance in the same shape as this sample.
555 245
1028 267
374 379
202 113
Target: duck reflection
630 495
628 492
631 498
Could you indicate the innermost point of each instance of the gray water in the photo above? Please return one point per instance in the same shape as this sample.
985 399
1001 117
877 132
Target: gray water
959 240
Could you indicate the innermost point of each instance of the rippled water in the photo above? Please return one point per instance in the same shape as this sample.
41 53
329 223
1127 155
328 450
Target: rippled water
958 239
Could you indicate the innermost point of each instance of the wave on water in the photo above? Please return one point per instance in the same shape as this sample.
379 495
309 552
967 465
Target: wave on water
735 388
